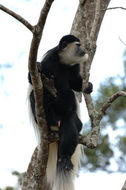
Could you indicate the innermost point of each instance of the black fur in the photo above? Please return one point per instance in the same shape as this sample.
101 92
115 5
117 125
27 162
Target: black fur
62 108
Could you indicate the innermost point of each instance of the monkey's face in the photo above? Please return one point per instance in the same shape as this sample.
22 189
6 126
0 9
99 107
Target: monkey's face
73 53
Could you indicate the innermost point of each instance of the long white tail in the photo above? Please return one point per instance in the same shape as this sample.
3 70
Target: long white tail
57 179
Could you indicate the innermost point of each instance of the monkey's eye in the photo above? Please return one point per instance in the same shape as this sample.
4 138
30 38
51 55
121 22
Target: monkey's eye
78 44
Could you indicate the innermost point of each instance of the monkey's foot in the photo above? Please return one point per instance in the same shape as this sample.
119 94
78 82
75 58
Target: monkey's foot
54 128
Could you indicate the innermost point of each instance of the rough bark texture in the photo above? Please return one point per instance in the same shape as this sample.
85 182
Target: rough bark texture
124 186
87 23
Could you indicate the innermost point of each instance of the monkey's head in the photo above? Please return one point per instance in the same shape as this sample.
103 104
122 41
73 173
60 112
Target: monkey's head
70 50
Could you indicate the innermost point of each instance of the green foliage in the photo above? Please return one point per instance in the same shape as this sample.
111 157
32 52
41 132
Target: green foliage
9 188
98 158
122 144
122 158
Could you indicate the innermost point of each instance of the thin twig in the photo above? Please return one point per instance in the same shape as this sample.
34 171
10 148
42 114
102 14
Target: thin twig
110 100
18 17
111 8
122 41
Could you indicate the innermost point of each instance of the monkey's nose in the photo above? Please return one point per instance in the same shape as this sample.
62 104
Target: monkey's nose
82 53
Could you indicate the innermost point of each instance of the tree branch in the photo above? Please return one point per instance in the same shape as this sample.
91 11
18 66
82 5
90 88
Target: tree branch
111 8
122 41
96 19
91 140
124 186
36 173
18 17
110 100
39 170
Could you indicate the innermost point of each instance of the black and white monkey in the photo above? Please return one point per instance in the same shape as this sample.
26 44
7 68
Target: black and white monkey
63 63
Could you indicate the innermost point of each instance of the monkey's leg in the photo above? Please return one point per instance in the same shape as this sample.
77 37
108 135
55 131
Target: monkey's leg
68 141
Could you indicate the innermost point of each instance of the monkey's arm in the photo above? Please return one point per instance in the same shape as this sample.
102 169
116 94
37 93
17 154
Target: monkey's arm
76 81
76 84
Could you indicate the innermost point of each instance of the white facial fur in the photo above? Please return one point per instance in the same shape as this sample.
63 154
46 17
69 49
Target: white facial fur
69 57
85 57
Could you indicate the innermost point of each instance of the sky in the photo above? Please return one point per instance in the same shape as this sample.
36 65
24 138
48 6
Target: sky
17 139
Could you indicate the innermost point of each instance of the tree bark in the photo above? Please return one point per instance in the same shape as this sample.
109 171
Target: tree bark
124 186
86 26
35 178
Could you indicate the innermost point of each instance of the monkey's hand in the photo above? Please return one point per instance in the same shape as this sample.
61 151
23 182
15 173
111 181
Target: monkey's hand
49 85
88 89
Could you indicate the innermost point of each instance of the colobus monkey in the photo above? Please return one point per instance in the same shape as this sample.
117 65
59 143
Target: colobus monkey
63 63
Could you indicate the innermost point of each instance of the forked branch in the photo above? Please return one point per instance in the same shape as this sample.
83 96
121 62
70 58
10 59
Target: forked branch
91 140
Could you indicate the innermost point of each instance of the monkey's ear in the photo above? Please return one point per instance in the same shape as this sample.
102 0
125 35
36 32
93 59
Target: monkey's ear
39 67
63 44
